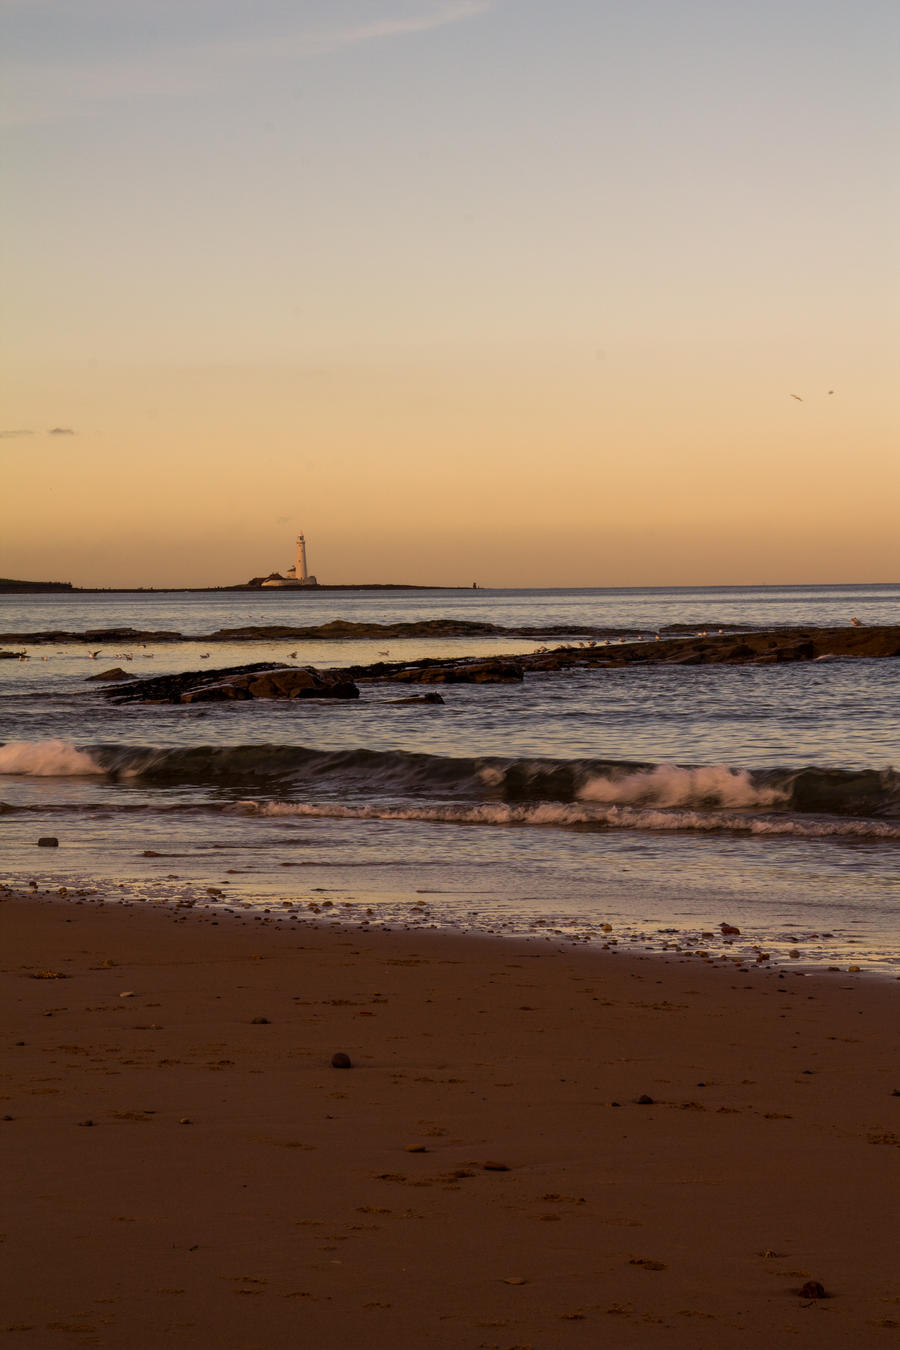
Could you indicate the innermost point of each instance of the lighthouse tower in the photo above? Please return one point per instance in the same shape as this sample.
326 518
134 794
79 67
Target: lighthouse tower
298 575
300 570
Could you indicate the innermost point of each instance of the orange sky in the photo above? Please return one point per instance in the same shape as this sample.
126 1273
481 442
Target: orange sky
461 290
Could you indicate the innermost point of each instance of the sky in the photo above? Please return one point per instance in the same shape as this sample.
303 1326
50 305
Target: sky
528 292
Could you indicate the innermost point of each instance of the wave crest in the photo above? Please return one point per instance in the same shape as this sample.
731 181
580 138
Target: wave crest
712 786
47 759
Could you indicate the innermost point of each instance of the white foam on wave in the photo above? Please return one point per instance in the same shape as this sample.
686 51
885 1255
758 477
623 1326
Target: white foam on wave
714 785
46 759
561 814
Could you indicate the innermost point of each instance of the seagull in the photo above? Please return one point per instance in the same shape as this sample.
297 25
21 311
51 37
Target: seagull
94 655
857 623
797 397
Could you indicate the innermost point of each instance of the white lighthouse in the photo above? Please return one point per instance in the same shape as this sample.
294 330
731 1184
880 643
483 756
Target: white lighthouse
298 575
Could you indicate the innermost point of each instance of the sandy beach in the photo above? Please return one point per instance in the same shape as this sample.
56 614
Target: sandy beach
532 1147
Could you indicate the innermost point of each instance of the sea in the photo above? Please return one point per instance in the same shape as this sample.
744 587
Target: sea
645 807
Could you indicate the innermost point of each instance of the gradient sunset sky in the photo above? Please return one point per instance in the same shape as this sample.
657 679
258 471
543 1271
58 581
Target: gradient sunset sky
528 292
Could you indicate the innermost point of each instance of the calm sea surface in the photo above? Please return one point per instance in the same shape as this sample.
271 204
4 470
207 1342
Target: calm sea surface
661 801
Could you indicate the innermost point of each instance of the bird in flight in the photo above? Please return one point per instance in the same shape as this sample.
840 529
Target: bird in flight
797 397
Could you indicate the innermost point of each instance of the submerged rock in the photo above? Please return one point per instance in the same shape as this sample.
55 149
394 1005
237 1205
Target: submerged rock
115 674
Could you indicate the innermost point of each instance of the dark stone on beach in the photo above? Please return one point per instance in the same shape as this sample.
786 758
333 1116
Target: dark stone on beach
48 841
259 1022
341 1061
495 1166
812 1289
644 1100
117 674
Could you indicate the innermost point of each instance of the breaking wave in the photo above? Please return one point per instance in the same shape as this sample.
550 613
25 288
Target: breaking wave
47 759
492 789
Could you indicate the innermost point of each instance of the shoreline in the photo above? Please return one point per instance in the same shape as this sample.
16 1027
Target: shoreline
485 1175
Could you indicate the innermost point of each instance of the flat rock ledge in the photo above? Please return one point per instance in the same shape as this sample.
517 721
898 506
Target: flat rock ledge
238 683
268 680
470 672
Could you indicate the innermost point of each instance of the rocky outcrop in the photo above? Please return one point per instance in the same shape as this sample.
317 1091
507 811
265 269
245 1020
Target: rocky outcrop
268 680
765 648
282 682
263 679
291 682
466 672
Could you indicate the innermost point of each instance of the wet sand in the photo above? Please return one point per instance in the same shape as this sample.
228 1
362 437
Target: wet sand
534 1146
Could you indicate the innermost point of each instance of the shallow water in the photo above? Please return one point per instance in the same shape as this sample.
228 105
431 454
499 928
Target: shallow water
659 800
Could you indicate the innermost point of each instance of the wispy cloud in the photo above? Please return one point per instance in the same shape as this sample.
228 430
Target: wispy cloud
11 433
436 16
39 89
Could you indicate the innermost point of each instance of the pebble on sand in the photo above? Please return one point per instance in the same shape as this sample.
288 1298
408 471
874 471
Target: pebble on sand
48 841
341 1061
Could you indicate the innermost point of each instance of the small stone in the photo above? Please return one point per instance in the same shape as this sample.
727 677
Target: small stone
48 841
87 1122
341 1061
416 1148
812 1289
259 1021
514 1279
644 1100
185 1120
728 930
495 1167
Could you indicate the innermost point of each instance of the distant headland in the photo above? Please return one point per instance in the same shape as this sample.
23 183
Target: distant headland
10 587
